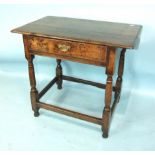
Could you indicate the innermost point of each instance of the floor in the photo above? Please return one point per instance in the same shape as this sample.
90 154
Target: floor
132 126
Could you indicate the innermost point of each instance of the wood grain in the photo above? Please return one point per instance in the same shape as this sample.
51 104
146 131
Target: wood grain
108 90
83 41
76 50
70 113
90 31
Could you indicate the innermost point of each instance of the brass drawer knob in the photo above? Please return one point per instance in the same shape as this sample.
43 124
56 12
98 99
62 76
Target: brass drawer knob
63 47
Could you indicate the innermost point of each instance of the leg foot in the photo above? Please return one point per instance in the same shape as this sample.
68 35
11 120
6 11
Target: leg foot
106 122
105 135
36 113
59 86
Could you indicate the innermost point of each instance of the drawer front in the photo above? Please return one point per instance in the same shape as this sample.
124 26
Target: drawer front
69 49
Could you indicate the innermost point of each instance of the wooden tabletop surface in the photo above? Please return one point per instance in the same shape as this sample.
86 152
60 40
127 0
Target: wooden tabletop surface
91 31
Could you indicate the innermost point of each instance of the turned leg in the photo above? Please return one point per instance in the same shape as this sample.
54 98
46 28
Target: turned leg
108 91
119 80
33 92
59 74
107 110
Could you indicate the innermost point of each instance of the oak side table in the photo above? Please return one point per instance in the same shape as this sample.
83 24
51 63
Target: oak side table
85 41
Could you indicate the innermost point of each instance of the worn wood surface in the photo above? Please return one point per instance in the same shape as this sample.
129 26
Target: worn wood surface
83 41
75 59
90 31
69 49
34 91
108 91
71 113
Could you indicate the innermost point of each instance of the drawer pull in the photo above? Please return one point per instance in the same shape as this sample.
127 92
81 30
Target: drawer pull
63 47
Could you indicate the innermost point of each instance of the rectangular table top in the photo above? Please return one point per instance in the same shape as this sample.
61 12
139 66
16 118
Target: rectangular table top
91 31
